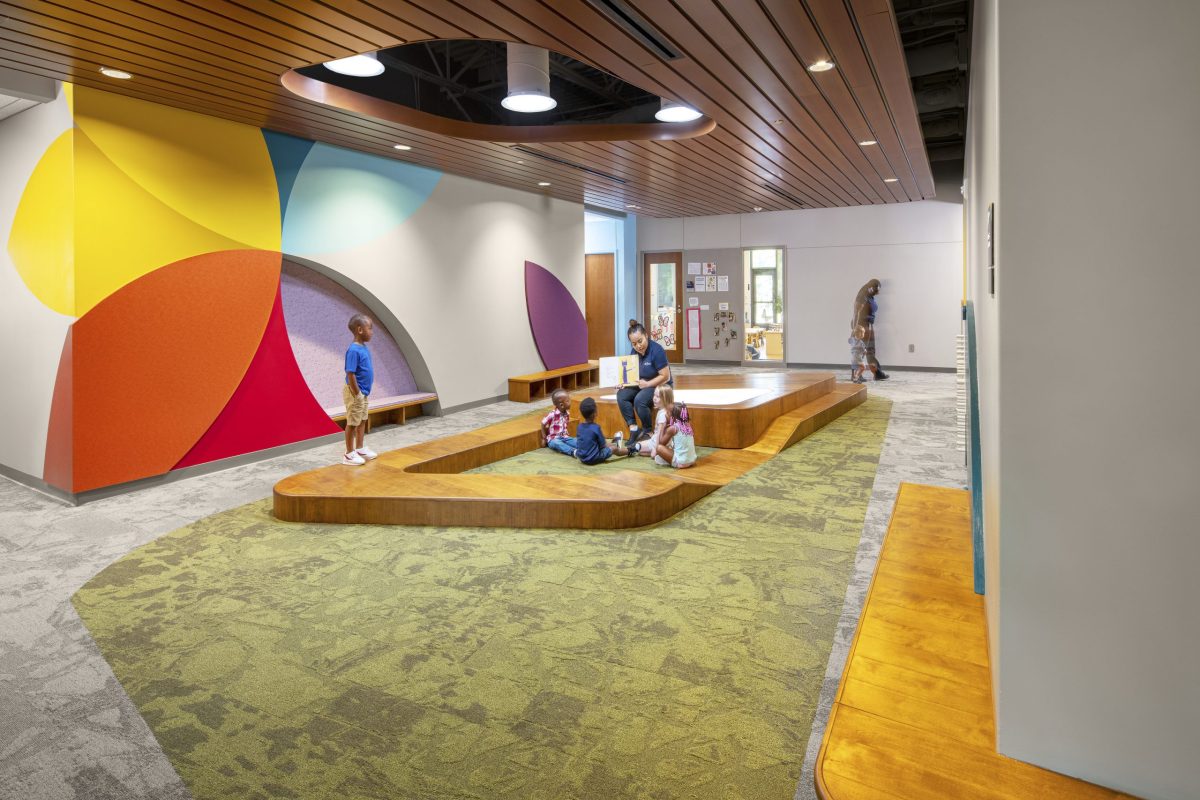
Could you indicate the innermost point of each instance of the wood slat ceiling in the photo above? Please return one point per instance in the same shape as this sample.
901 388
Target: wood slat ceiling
743 64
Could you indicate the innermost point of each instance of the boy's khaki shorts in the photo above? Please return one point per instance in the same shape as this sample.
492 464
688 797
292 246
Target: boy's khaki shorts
356 407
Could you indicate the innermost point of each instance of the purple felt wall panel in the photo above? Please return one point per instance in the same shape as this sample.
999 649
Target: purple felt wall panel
559 329
317 310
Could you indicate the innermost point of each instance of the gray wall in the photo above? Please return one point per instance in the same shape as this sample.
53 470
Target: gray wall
1090 374
729 262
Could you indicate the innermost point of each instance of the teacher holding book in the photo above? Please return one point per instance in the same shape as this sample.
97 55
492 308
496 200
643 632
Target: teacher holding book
653 370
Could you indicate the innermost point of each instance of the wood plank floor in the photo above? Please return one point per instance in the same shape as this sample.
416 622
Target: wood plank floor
913 715
423 484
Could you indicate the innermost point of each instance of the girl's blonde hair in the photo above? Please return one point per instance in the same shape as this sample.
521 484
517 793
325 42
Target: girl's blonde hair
666 395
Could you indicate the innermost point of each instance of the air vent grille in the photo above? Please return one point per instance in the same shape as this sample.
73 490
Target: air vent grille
636 26
529 151
791 198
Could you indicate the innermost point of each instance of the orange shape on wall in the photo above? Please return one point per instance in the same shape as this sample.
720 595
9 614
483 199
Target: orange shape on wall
272 406
154 364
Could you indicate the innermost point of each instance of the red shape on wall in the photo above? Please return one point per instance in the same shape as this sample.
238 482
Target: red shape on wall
272 405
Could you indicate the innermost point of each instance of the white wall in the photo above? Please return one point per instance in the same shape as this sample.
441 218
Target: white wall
915 249
982 178
454 275
31 335
1096 532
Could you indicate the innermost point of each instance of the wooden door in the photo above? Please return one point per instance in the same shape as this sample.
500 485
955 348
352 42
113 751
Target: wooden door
599 284
663 309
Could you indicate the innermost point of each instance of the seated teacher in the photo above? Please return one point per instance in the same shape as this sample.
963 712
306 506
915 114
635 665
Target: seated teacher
653 370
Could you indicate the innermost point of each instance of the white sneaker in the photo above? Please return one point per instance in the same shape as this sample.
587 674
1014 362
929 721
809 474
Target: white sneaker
367 453
353 459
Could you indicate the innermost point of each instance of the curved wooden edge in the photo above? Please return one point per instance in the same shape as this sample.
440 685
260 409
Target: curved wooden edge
349 100
422 484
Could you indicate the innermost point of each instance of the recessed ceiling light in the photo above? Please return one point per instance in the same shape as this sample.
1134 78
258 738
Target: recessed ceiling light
543 183
778 122
402 146
890 180
119 74
824 65
631 205
674 111
867 142
360 66
758 208
520 162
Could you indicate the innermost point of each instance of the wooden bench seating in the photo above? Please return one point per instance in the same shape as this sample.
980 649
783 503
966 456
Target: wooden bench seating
913 714
394 410
423 484
539 385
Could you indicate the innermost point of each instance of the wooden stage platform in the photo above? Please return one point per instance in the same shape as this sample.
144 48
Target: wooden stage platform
913 714
423 485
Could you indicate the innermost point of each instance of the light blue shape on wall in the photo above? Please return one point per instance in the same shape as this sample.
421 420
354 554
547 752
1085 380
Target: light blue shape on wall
343 199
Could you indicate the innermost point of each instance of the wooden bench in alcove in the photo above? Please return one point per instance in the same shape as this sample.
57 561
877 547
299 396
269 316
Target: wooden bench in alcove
394 410
539 385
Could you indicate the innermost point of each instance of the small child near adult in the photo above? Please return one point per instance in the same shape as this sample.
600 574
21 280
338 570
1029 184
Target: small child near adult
591 446
681 452
664 399
858 354
360 375
555 430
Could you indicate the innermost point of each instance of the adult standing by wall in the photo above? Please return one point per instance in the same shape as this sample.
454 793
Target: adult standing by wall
653 370
865 308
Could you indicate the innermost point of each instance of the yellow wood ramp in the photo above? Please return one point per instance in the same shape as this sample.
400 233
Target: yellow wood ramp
913 715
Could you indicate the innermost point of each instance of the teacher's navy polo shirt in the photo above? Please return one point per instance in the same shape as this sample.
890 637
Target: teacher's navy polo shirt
652 363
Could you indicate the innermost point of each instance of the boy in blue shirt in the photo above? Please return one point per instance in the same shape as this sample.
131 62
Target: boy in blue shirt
360 375
591 448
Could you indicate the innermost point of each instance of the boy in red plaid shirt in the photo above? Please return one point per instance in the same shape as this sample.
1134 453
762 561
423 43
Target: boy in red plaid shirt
554 425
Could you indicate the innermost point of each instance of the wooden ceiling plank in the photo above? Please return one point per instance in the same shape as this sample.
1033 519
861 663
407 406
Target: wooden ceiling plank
791 67
521 28
834 21
747 39
619 45
886 53
135 14
263 23
343 18
838 115
713 71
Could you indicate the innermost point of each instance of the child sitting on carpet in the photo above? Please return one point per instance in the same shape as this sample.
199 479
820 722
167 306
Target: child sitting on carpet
680 453
664 399
554 425
591 448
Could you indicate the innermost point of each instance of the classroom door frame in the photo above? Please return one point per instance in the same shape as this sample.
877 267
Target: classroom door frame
674 354
748 283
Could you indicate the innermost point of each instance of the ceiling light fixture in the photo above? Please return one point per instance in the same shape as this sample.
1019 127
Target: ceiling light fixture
365 65
778 122
528 79
631 205
758 208
890 180
543 183
402 146
824 65
867 142
675 111
119 74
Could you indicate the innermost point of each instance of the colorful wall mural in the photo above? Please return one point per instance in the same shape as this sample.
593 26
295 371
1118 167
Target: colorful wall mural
145 251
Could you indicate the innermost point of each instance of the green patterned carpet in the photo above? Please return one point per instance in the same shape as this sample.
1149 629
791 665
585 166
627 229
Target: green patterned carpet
322 661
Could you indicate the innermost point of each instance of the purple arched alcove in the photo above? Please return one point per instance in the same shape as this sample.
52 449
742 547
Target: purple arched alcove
317 309
559 329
